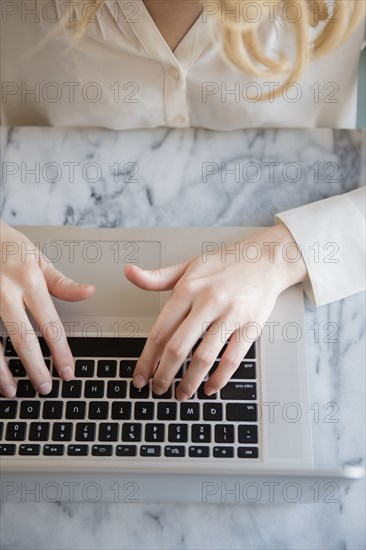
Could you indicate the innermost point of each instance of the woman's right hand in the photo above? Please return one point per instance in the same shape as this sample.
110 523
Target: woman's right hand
26 282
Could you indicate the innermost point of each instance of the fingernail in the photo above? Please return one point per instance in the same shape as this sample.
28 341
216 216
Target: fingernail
139 381
182 396
209 390
134 266
67 373
9 390
44 388
158 390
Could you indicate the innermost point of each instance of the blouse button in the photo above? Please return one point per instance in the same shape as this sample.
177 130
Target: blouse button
179 119
174 73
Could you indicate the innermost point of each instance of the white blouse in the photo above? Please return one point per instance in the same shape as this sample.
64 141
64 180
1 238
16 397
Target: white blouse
123 75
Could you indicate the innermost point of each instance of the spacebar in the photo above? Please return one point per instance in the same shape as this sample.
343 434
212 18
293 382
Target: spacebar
106 347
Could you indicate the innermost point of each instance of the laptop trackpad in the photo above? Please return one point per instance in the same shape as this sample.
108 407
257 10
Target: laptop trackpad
101 263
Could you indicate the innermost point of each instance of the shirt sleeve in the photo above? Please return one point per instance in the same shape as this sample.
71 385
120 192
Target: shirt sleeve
331 236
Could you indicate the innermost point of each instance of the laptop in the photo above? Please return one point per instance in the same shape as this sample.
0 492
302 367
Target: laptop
98 438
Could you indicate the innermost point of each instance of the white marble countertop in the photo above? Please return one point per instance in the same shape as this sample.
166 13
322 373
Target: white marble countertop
196 177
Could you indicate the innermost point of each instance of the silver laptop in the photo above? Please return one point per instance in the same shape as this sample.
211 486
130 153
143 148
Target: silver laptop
99 438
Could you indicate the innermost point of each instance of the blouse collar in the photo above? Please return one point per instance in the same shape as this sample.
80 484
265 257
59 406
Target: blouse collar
149 36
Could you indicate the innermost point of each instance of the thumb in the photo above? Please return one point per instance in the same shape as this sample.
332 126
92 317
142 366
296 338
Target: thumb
65 288
164 278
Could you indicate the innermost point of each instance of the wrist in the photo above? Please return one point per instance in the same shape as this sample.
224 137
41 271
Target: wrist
284 259
288 259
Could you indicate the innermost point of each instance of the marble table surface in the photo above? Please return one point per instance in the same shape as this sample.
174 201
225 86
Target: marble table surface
196 177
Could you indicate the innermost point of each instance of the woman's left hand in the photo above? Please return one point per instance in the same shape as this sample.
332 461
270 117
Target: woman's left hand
219 298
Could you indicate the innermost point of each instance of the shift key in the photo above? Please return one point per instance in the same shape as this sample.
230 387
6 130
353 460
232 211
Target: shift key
239 391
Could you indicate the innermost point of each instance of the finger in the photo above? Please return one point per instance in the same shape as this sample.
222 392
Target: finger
234 354
203 358
178 348
156 279
43 310
26 344
174 311
7 383
63 287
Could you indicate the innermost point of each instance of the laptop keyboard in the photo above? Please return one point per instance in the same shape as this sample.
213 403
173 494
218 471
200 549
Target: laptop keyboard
101 414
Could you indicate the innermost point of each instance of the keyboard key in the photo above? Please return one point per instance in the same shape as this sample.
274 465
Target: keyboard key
167 411
224 433
121 411
25 389
94 389
55 373
126 450
131 432
144 410
213 368
154 432
189 411
85 431
165 395
126 368
44 348
201 433
179 373
78 450
7 449
236 391
250 355
16 368
55 390
150 450
241 412
178 433
212 411
96 346
8 409
176 388
84 368
52 410
199 451
248 452
108 431
9 350
98 410
176 450
247 433
252 352
71 388
1 430
15 431
142 393
223 452
102 450
245 371
62 431
117 390
201 394
54 450
75 410
39 431
29 450
30 409
107 369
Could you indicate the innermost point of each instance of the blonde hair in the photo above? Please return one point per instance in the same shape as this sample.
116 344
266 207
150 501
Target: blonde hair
239 38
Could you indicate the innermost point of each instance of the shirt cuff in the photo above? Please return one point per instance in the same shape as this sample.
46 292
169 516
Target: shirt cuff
331 236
